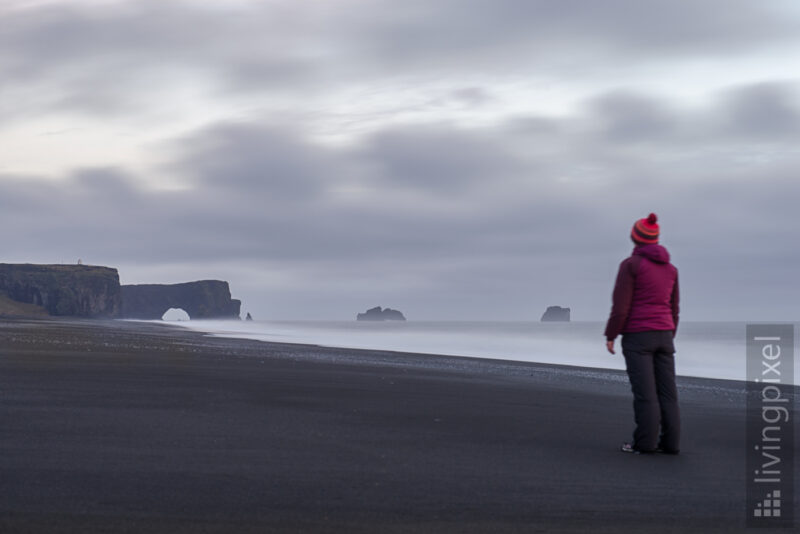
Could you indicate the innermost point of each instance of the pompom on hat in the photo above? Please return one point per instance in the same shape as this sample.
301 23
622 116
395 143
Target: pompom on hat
645 231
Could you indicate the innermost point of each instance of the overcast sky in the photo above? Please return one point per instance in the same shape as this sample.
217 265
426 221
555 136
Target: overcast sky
454 159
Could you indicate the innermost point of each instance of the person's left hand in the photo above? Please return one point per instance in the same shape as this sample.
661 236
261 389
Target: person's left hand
610 346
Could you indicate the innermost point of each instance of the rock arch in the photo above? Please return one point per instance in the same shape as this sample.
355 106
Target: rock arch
203 299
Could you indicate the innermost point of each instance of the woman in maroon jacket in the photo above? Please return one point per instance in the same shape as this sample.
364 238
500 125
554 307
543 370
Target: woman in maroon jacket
645 312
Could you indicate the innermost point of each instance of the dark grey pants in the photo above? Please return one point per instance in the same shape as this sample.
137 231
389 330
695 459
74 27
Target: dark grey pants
650 362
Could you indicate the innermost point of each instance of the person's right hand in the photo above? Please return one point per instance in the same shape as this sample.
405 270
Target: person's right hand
610 346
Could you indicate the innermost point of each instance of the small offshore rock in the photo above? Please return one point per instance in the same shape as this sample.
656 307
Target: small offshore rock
378 314
556 313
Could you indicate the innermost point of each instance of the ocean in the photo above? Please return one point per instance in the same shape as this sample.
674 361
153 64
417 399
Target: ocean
703 349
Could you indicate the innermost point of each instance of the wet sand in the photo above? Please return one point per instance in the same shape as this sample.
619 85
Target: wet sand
132 427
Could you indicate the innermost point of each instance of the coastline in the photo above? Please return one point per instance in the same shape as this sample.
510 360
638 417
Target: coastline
714 350
123 426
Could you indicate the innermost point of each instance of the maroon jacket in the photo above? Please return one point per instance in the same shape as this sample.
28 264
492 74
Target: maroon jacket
646 293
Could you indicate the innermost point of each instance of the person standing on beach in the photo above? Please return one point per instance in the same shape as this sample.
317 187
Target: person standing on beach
645 311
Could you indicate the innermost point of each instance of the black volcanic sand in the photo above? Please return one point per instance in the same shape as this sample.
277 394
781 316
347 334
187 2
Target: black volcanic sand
134 427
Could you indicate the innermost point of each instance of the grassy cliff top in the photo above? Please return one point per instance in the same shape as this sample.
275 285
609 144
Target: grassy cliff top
64 267
33 269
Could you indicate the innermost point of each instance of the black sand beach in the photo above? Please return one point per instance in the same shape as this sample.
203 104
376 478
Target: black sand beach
130 427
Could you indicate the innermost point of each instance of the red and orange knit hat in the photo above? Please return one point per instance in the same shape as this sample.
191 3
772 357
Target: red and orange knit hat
645 231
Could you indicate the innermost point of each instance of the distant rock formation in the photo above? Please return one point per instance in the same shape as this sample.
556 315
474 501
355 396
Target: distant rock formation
556 313
64 290
95 292
378 314
204 299
249 317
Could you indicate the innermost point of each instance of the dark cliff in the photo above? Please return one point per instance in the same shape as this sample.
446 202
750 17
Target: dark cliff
204 299
65 290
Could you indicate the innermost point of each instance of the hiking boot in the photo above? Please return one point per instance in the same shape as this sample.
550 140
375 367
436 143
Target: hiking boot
628 447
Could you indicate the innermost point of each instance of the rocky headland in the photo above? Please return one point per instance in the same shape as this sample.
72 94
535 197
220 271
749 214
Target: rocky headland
63 290
90 291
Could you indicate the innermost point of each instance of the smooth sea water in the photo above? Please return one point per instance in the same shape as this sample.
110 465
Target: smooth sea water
703 349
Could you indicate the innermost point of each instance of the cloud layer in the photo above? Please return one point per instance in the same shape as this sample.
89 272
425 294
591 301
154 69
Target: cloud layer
436 216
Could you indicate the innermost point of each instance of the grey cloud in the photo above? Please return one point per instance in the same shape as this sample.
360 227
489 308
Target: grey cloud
439 220
443 159
474 96
627 117
464 97
260 194
624 124
534 126
103 58
424 221
535 34
254 160
767 110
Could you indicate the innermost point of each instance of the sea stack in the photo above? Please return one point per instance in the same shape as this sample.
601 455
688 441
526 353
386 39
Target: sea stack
556 313
378 314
